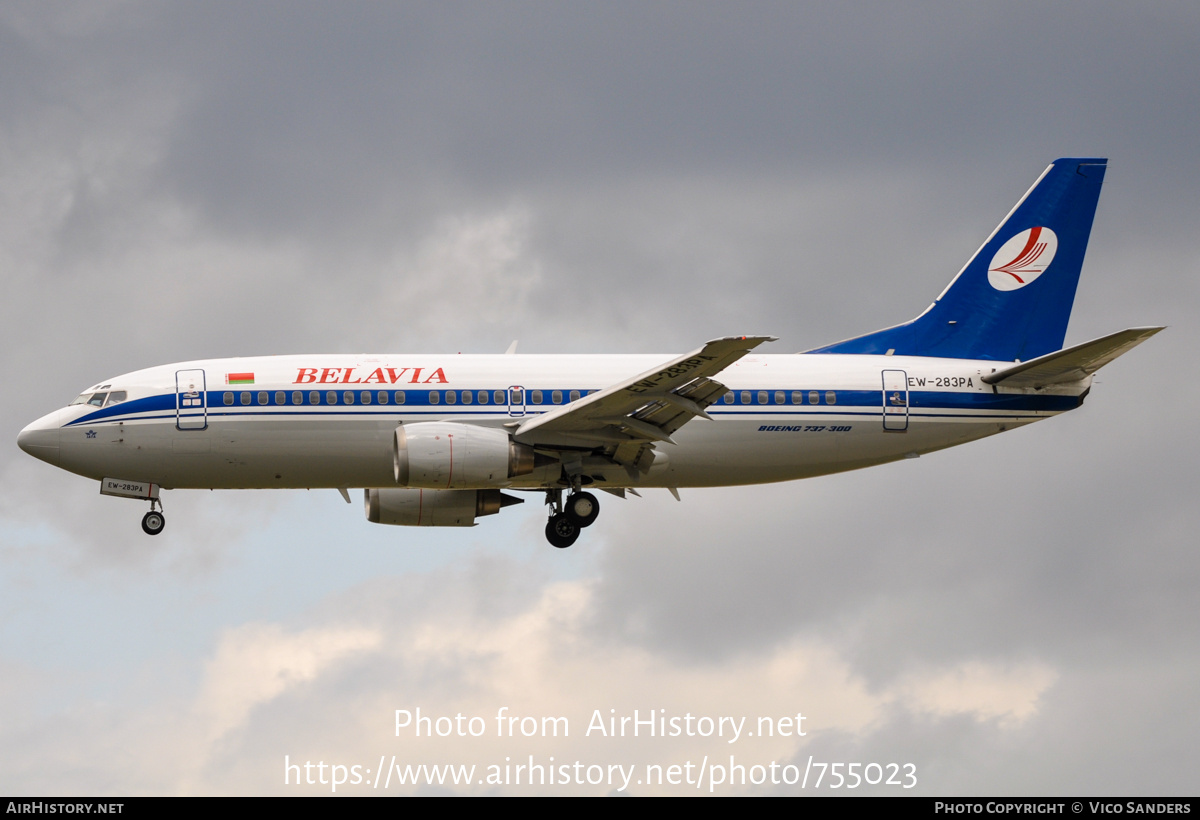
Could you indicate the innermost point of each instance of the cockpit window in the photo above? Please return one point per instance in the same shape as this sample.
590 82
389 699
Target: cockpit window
100 399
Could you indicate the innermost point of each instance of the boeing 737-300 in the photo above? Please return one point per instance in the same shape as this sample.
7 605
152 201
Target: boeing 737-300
443 440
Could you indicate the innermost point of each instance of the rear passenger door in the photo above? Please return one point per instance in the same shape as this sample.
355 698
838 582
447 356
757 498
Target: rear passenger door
895 400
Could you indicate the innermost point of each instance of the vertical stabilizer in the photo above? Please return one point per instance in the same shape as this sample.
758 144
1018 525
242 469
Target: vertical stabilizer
1013 299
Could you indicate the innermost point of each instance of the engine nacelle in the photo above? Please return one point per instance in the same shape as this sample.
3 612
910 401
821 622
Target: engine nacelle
433 508
445 455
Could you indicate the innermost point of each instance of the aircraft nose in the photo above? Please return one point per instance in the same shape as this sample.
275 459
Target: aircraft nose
40 442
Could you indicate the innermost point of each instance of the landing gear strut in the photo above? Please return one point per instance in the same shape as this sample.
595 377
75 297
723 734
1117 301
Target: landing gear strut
153 521
566 520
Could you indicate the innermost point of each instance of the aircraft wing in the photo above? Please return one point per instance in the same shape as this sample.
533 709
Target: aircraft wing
628 417
1073 363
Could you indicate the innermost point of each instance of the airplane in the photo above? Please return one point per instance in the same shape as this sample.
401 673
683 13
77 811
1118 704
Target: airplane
443 440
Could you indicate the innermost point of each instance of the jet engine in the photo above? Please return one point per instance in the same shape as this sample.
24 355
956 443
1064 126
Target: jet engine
446 455
433 508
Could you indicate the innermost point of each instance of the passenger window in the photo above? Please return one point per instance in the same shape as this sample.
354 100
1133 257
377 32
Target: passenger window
830 397
780 398
365 397
451 396
498 396
556 397
728 398
797 397
467 397
280 397
399 397
537 397
330 397
434 397
297 397
314 397
228 398
244 398
745 397
574 395
814 397
762 396
516 397
383 397
348 397
483 397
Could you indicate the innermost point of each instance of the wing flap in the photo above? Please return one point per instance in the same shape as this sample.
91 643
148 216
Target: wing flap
1073 363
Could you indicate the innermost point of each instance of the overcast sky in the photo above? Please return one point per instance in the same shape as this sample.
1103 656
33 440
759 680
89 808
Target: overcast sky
189 180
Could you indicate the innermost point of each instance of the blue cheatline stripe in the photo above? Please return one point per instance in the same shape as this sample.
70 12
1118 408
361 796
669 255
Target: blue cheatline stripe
417 402
991 401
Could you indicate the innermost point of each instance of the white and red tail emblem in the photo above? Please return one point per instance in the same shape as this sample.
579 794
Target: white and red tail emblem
1022 259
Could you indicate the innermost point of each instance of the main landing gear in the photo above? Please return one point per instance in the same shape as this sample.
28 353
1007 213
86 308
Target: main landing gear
153 521
566 520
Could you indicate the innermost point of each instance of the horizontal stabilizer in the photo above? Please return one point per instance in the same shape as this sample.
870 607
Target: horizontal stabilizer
1072 364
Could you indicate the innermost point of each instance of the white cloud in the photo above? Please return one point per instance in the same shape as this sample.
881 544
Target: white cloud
985 691
539 661
256 663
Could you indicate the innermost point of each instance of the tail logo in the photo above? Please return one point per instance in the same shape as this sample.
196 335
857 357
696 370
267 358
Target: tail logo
1022 259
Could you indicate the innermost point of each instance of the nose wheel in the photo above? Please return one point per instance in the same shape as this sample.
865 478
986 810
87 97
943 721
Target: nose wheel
153 521
566 520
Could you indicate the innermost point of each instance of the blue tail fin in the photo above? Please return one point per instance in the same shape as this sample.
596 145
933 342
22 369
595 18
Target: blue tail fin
1013 299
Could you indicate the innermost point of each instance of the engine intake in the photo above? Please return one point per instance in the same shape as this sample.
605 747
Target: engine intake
446 455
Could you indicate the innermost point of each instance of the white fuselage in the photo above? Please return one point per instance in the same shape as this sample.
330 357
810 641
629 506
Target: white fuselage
329 421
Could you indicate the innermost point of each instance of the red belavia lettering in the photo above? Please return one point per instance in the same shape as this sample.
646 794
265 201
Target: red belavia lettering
379 375
442 440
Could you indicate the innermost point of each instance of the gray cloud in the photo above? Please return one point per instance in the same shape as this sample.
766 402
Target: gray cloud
202 180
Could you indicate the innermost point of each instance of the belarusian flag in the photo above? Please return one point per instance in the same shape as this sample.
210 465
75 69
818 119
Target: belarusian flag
239 378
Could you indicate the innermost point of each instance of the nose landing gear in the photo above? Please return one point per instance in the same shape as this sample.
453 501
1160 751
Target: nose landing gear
153 521
566 520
